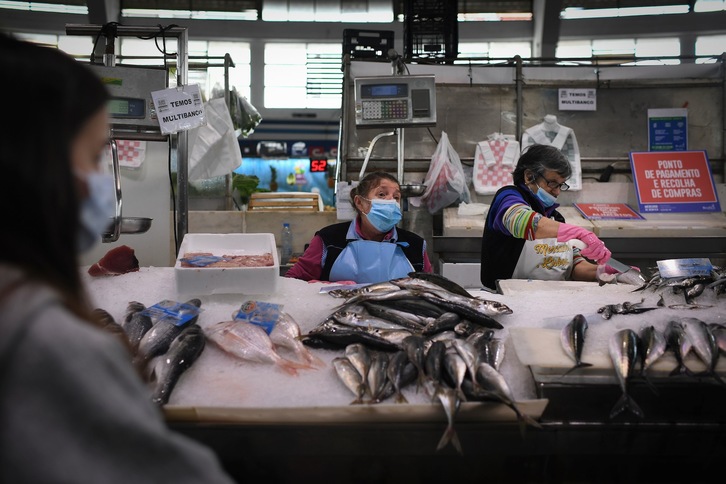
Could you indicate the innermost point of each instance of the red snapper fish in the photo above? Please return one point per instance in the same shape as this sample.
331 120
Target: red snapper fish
249 342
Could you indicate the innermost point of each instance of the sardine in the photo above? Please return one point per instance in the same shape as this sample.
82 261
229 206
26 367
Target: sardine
378 287
396 373
455 368
495 352
333 335
441 281
434 361
477 310
286 334
402 318
431 283
414 348
363 321
470 355
182 353
350 377
450 402
572 338
444 322
249 342
623 350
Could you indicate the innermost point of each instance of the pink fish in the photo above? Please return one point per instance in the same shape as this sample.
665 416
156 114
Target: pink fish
249 342
286 334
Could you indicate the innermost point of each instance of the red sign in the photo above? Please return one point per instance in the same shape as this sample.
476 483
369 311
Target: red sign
674 181
607 211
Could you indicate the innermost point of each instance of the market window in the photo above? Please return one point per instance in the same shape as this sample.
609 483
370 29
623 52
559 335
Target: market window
303 76
501 51
713 45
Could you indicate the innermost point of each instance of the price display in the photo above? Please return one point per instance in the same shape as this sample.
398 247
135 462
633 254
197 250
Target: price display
317 166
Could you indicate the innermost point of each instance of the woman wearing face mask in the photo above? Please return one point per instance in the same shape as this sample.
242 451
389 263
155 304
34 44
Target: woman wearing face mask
370 248
525 237
72 406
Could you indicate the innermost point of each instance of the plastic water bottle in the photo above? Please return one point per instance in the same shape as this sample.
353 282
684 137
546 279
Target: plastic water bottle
286 238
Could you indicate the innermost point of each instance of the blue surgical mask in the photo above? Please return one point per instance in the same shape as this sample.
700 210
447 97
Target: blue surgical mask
545 197
97 210
384 214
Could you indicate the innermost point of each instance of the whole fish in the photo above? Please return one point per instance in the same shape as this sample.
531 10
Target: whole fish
351 318
477 310
719 332
360 356
396 373
414 347
446 321
433 282
136 324
377 375
441 281
704 345
652 347
471 357
402 318
434 361
350 377
495 352
572 337
491 385
286 334
249 342
680 344
157 339
378 287
623 350
455 369
182 353
450 402
333 335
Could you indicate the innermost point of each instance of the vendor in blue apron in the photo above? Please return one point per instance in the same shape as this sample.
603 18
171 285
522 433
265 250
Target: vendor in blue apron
370 248
525 237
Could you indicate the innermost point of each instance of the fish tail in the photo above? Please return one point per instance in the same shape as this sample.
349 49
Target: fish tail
577 366
450 436
400 398
681 369
626 402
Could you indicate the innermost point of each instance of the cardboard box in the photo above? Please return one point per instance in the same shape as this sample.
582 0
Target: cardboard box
227 280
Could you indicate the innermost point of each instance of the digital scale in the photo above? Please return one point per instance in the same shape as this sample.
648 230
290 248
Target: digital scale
395 101
130 88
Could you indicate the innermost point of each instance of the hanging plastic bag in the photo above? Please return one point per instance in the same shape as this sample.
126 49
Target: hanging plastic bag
214 149
445 181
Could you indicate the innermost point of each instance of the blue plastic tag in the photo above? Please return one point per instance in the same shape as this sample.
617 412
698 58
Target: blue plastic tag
172 312
202 260
261 313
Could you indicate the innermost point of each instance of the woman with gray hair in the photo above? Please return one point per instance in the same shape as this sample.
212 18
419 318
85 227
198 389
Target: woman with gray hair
525 237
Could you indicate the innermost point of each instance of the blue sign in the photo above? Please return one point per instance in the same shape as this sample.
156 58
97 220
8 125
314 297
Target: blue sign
667 129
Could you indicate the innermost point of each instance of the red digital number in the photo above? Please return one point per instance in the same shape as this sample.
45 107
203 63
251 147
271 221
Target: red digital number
318 165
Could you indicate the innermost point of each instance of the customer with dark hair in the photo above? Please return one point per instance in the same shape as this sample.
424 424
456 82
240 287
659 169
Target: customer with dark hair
525 237
72 406
370 248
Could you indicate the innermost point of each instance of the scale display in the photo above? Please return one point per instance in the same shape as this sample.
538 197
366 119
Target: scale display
395 101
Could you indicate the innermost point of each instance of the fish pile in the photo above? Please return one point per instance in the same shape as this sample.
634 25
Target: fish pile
624 308
382 315
251 342
633 353
450 371
161 348
691 287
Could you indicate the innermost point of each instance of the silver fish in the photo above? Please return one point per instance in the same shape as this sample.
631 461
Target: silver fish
414 348
680 344
572 338
446 321
477 310
495 352
455 368
363 321
450 402
653 346
470 355
333 335
350 377
360 356
157 339
396 372
401 318
719 332
434 361
286 334
182 353
623 350
490 384
441 281
378 287
249 342
704 344
377 375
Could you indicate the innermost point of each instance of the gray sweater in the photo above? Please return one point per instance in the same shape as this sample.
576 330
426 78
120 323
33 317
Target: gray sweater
72 408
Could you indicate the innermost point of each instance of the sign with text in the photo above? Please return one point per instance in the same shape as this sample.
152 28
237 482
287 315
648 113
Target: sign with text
179 108
674 181
607 211
578 99
668 129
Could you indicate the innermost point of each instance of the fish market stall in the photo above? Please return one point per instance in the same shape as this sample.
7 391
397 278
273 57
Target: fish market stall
275 421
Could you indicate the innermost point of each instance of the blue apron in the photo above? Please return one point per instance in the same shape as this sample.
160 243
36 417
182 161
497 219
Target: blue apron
368 262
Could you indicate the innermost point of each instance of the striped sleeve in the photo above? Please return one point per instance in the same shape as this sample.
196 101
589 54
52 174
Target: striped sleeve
519 221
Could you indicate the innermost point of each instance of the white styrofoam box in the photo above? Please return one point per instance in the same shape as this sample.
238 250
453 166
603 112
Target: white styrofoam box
465 274
228 280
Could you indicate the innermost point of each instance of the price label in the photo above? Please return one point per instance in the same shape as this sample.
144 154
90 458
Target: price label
318 165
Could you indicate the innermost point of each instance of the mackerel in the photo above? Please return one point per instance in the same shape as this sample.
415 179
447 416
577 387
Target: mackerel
572 338
623 350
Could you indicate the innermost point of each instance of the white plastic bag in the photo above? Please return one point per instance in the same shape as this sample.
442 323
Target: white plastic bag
214 149
445 181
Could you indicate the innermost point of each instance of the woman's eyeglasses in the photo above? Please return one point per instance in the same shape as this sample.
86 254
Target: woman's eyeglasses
553 184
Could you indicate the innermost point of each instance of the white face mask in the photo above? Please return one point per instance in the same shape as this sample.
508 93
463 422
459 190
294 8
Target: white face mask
97 210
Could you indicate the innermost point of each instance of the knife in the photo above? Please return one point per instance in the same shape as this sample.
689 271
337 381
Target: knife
633 276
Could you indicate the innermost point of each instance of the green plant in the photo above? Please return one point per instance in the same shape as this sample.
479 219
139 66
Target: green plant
245 185
273 173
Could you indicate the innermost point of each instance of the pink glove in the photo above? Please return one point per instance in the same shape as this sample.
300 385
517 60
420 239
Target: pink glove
595 249
606 274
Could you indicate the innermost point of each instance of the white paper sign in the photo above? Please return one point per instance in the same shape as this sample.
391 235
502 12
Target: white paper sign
344 210
179 109
578 100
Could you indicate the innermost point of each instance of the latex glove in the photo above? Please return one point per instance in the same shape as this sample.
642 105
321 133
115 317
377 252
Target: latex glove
607 275
595 248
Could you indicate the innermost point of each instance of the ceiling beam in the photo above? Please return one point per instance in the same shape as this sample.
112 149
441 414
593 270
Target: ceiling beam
546 27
